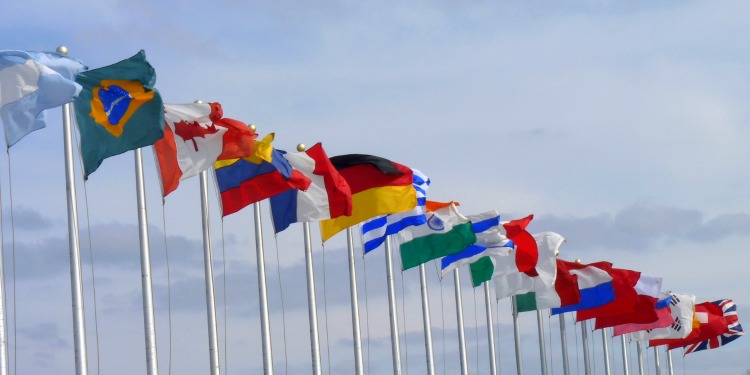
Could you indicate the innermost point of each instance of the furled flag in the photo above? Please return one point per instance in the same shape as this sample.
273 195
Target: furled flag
266 173
711 320
627 284
379 187
681 307
118 110
376 230
31 82
592 281
195 136
329 196
733 331
447 232
663 314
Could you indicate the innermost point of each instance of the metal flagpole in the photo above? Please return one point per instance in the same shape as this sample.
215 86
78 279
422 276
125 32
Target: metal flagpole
426 320
3 316
585 342
605 348
542 346
396 350
564 339
265 325
670 368
76 283
359 368
460 323
213 338
149 323
657 361
516 335
625 367
641 368
490 331
312 305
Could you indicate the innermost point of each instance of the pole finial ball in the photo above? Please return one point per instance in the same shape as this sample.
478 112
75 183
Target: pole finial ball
579 261
63 50
198 101
252 127
301 147
557 253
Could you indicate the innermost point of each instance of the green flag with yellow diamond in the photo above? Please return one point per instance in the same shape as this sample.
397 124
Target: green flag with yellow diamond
118 110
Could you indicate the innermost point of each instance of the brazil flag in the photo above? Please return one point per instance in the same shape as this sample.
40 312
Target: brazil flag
118 110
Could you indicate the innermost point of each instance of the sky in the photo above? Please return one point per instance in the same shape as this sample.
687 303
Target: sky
620 125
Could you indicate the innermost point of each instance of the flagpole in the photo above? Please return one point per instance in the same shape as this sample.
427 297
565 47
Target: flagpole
670 368
426 321
564 339
585 342
152 360
213 338
3 316
265 326
460 323
312 305
356 335
641 368
490 329
395 348
625 367
605 348
76 283
516 335
657 361
542 346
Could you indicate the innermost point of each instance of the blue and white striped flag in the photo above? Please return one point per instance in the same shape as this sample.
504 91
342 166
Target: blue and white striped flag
376 230
490 239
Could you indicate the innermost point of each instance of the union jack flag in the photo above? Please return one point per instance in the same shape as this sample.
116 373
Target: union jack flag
734 329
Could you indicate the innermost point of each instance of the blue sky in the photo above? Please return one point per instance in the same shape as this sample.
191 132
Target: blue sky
620 125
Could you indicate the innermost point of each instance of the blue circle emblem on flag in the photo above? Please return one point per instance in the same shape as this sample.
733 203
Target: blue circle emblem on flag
116 101
435 223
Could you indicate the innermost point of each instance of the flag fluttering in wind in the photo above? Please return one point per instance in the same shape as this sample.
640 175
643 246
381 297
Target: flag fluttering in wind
732 332
195 136
681 308
266 173
376 230
642 310
30 83
118 110
592 281
328 196
379 187
710 321
663 318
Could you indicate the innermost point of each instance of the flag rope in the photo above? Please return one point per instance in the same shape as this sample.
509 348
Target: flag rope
224 297
367 309
578 366
325 311
403 314
281 293
497 337
442 313
549 335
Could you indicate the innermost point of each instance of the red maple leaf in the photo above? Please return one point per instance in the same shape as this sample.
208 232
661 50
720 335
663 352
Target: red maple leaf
189 131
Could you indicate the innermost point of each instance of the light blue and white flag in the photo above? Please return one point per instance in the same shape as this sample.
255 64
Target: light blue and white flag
376 230
490 240
31 82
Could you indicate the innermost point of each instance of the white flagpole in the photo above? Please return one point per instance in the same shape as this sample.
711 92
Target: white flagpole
312 305
3 316
149 323
542 346
76 283
564 339
426 321
585 342
460 323
625 367
670 368
641 367
213 337
605 348
657 361
490 329
265 325
359 368
395 348
516 335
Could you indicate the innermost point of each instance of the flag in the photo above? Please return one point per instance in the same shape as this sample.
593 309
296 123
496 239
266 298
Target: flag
663 318
244 181
681 308
379 187
31 82
643 309
591 280
118 110
328 196
518 252
711 320
445 232
733 330
376 230
195 136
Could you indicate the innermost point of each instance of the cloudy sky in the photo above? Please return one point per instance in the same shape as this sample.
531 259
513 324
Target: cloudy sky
621 125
